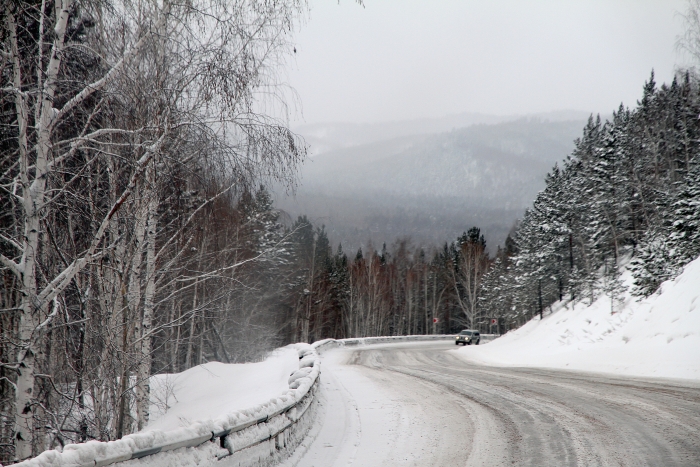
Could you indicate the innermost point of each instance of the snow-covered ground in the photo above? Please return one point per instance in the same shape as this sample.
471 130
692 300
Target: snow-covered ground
658 336
189 407
417 404
213 389
370 417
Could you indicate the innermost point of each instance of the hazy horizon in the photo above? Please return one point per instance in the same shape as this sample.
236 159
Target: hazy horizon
429 180
397 61
374 81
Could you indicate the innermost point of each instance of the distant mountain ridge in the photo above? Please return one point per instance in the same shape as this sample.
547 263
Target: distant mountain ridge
430 187
326 137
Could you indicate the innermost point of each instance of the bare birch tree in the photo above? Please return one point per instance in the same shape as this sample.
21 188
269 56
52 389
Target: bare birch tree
102 96
471 262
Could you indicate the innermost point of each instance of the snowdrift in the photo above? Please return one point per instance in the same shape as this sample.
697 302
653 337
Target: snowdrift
655 337
248 410
210 390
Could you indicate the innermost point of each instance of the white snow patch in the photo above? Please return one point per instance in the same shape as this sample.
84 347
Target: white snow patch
199 402
655 337
213 389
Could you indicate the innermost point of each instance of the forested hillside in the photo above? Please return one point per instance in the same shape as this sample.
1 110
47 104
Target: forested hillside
432 187
629 191
627 196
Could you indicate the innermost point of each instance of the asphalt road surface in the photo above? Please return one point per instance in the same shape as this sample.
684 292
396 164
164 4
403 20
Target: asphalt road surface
419 405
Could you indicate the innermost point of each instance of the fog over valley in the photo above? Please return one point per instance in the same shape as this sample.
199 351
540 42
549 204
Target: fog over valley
428 180
453 114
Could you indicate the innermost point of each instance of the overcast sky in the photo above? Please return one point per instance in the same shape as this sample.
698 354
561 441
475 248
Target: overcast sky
404 59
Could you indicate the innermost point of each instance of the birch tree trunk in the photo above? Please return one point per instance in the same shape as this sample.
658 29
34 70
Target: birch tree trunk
143 391
32 203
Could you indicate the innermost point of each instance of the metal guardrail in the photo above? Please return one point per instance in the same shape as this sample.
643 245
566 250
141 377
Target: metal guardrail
290 413
283 417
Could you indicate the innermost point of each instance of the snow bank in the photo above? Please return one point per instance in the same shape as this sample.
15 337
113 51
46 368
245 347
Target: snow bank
252 404
655 337
209 390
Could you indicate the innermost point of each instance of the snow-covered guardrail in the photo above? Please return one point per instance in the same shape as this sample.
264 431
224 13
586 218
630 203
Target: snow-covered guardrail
229 434
327 344
233 433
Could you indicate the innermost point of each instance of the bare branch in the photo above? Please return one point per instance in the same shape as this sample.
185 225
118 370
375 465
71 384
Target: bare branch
11 265
112 73
58 284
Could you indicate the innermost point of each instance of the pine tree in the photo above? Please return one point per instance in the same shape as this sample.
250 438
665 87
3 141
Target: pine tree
672 243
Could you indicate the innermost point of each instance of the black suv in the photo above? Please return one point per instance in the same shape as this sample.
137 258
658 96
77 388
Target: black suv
468 337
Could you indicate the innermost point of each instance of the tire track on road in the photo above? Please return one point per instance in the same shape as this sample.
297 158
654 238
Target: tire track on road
566 418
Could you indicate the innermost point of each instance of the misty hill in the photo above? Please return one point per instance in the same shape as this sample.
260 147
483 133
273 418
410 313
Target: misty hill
432 187
325 137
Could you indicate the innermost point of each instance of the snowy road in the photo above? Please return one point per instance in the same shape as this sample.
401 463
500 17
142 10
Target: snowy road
418 405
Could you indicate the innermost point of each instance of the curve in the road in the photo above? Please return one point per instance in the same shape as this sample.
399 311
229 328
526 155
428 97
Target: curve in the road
419 405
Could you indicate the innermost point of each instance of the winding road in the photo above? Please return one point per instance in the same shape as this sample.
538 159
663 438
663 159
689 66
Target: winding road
416 404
